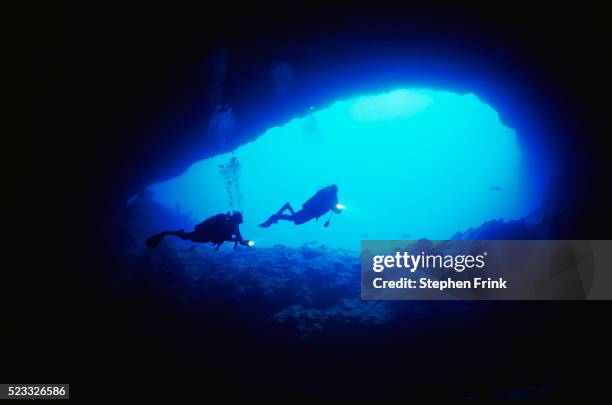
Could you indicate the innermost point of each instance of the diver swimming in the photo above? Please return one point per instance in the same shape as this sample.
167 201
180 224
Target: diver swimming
324 201
217 229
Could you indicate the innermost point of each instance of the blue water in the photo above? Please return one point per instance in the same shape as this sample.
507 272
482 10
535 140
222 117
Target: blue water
409 163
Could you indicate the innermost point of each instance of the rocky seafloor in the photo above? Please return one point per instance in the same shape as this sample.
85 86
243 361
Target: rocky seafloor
294 315
307 289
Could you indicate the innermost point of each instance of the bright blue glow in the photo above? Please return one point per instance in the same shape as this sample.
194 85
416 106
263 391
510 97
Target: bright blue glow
408 163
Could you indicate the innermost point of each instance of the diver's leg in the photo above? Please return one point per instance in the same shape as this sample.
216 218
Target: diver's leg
275 218
279 215
180 233
287 206
155 239
302 217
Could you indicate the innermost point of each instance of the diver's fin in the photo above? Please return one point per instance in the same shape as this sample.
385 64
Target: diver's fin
155 239
272 220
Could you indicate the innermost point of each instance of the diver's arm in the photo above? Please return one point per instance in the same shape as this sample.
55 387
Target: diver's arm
334 204
239 237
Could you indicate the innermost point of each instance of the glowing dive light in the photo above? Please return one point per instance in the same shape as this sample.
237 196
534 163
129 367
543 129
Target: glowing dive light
340 206
251 243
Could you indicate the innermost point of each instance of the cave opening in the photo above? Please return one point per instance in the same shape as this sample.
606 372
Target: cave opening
409 164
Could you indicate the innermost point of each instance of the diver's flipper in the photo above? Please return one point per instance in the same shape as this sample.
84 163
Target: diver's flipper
155 239
272 220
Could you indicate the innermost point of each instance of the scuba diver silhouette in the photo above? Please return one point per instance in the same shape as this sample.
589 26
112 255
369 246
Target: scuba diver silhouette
323 201
216 229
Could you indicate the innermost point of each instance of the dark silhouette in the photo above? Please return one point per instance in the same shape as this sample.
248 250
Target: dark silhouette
496 188
325 200
216 229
